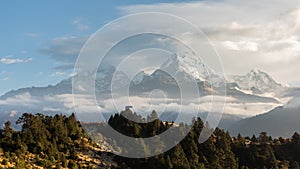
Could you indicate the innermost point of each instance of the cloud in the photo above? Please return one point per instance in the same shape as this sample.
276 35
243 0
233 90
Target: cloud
22 99
242 45
8 60
249 34
64 50
58 74
79 25
47 109
64 103
144 105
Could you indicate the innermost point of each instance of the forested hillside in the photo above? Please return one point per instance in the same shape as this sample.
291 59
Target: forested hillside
49 142
60 142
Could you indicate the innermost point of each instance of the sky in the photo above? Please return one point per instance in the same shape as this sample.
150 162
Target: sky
40 40
34 35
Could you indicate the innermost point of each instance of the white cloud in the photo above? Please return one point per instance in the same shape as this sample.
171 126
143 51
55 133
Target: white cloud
8 60
58 74
79 25
242 45
52 109
249 33
245 34
22 99
64 103
73 74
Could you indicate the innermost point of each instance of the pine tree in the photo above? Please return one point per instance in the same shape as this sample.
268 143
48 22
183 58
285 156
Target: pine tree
179 160
296 138
254 139
191 150
223 144
264 138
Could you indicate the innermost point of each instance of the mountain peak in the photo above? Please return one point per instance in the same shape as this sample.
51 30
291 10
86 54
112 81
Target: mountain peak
257 79
260 75
188 64
256 71
139 77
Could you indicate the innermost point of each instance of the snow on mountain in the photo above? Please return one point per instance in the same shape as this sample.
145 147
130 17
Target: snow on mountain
138 78
103 80
257 81
186 66
189 65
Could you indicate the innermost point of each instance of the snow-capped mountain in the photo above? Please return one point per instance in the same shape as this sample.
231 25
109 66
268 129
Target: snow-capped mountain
246 95
188 65
103 80
138 78
183 67
257 81
180 67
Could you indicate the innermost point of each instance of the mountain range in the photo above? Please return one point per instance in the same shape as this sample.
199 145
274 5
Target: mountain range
254 102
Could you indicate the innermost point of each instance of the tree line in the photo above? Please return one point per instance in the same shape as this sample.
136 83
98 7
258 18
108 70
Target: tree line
220 151
55 140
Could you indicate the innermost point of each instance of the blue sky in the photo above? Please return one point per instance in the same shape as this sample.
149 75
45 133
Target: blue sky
29 27
38 37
